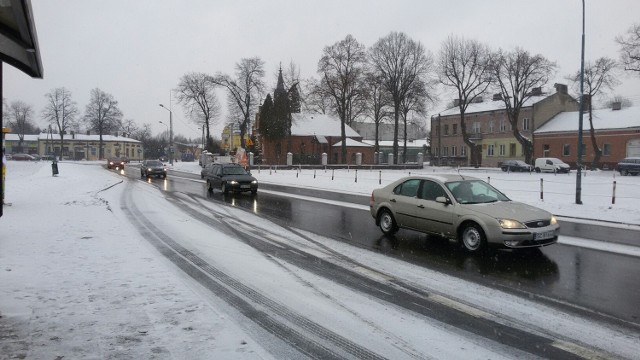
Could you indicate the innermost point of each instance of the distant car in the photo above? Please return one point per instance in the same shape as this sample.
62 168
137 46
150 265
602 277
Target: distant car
22 157
549 164
125 159
153 168
630 165
515 165
206 169
163 158
48 157
229 178
464 209
115 163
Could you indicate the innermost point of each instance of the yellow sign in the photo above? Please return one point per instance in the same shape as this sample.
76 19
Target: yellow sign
249 142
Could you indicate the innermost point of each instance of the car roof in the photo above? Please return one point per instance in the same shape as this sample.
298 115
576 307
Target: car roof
444 178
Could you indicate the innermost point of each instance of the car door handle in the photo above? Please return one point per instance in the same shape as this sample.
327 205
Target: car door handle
421 206
392 200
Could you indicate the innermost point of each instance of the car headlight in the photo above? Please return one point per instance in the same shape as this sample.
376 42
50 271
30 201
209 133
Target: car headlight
554 220
510 224
149 169
254 182
233 182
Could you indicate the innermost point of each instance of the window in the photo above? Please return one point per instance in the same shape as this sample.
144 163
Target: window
606 149
490 150
408 188
476 127
546 151
431 190
453 151
491 127
566 150
526 124
446 130
463 150
502 149
503 125
445 151
455 129
512 149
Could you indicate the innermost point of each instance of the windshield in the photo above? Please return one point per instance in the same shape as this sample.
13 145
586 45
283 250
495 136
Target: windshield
235 170
154 163
475 192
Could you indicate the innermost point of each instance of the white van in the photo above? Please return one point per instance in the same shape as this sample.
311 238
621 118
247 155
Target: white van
550 164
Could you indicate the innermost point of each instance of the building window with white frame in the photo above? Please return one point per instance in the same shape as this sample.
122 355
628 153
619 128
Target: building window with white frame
490 150
606 149
476 127
501 149
454 150
463 150
503 125
526 124
566 150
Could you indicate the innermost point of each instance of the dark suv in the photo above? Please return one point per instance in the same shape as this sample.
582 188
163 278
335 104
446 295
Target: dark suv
229 178
630 165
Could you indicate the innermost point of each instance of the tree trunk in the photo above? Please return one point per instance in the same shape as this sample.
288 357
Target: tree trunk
395 131
596 149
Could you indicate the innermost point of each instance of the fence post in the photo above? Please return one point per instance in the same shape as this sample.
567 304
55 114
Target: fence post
613 199
379 177
541 190
332 173
314 173
356 175
489 179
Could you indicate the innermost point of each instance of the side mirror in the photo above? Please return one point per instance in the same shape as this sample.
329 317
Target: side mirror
443 200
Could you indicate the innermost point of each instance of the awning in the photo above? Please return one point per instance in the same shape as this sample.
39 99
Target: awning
18 39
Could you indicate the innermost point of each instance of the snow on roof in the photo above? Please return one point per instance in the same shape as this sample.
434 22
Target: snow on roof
389 143
353 143
603 119
318 124
491 105
77 137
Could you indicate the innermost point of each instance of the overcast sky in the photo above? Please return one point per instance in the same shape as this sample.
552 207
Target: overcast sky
138 50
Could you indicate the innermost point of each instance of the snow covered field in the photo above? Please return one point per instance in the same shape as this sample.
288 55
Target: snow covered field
78 280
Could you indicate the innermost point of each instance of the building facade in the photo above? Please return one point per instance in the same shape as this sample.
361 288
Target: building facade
75 146
616 129
488 125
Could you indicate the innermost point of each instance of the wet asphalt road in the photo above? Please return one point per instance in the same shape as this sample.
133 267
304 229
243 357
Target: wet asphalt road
602 284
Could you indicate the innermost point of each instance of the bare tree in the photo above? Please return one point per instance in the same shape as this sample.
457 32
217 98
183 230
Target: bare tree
598 76
245 89
465 65
60 111
20 117
102 115
401 62
129 127
197 94
630 48
416 102
378 103
314 98
517 73
341 68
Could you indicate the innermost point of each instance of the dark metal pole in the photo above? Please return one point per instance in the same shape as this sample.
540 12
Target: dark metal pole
579 161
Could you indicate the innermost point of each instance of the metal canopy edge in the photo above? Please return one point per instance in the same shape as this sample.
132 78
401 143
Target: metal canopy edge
18 39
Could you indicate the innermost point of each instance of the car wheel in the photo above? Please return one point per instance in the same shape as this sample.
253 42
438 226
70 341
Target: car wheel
537 169
472 238
504 169
624 172
387 222
164 176
141 174
209 188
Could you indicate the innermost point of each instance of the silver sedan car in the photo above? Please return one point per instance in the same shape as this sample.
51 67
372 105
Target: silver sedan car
464 209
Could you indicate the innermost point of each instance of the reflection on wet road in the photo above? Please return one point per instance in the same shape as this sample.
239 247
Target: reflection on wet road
602 282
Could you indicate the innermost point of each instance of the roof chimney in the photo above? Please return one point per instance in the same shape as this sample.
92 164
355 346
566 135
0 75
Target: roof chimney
561 88
617 105
536 91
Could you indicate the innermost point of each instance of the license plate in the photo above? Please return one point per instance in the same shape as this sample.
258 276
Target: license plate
543 235
245 186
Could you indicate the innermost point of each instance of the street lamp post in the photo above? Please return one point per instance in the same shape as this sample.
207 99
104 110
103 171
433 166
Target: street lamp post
579 160
170 133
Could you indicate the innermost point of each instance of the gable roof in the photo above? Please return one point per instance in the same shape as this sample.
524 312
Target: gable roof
318 124
491 105
353 143
603 119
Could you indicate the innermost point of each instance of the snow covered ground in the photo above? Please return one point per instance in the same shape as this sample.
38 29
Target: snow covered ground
78 280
